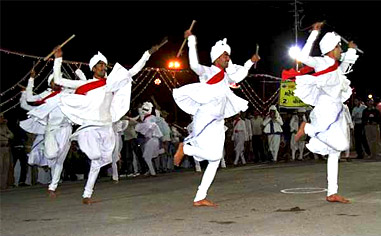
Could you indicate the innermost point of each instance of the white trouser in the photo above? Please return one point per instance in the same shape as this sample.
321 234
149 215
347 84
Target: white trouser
207 179
116 156
274 142
98 144
92 178
198 166
332 172
61 141
239 155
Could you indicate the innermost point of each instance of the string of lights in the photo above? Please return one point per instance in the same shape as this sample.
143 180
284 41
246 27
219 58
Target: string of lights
252 90
264 76
165 82
142 80
41 58
251 98
248 98
169 79
145 87
18 83
256 95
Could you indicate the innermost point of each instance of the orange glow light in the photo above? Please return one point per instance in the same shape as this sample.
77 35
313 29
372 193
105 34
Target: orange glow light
174 65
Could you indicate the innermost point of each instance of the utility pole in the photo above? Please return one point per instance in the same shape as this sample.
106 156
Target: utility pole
296 24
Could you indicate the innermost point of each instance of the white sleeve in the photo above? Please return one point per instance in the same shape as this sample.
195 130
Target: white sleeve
236 72
193 57
80 74
348 59
29 92
304 56
68 83
23 103
140 64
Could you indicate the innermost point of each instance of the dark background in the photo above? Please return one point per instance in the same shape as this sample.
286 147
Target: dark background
123 30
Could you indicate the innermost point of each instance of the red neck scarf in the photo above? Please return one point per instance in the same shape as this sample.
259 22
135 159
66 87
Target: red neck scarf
146 116
90 86
287 74
54 93
217 77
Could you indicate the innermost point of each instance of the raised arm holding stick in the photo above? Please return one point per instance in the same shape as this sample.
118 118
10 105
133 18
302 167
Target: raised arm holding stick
185 40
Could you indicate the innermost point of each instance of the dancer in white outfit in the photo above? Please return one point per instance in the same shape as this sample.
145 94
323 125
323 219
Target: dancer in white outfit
95 105
152 133
326 90
58 127
209 101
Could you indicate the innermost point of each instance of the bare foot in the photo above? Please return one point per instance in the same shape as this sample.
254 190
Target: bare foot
337 198
300 132
179 155
52 194
88 201
204 202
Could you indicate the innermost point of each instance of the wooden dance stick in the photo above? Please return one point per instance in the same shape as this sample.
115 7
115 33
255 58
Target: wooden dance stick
164 41
347 42
185 40
256 53
60 46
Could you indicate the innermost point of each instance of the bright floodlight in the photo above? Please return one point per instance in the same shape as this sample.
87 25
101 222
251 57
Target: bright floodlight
370 96
174 65
294 52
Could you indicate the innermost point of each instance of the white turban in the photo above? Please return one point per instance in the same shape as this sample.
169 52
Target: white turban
147 108
329 42
218 49
95 59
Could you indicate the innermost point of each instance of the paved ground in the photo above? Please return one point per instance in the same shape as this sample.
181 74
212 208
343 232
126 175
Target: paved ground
249 197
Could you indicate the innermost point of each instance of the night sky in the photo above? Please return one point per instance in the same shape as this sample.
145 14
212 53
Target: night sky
123 30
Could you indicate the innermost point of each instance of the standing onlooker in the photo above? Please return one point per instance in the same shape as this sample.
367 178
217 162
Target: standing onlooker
371 119
239 137
257 139
295 122
5 158
249 133
273 128
19 153
359 131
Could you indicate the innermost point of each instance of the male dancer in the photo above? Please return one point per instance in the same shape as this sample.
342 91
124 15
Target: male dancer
209 101
327 89
95 105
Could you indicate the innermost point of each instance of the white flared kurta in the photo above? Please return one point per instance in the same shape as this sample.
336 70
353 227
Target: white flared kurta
327 92
209 104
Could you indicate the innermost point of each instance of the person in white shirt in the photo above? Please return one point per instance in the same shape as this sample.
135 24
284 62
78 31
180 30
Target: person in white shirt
327 89
249 133
273 128
239 137
209 101
152 133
